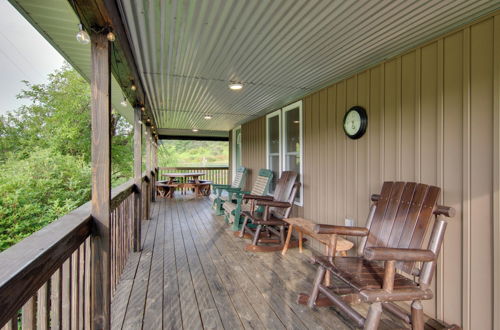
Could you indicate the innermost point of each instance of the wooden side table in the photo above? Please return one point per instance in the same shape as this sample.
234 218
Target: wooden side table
303 226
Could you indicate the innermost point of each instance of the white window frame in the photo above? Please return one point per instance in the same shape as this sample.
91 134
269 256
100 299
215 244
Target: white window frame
233 156
280 155
290 107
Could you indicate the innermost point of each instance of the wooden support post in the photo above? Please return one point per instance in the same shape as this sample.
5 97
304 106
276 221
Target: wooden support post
137 179
153 166
148 168
101 182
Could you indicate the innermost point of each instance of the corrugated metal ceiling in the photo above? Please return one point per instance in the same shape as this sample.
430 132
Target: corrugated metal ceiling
57 22
188 51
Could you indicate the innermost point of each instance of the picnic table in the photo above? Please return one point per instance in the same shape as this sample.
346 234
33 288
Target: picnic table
172 184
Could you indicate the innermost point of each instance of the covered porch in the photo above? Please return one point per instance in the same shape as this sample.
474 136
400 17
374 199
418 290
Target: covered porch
193 273
276 80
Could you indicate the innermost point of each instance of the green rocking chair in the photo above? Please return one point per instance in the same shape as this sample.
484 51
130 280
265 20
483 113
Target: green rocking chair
224 192
235 207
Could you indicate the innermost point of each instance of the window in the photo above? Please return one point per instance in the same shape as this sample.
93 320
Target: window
292 141
284 143
236 149
273 138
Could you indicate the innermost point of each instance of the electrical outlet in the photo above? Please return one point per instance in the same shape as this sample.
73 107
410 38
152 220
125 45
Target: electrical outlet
349 222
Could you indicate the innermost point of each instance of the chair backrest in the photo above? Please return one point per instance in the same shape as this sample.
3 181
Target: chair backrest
403 212
239 177
261 185
285 191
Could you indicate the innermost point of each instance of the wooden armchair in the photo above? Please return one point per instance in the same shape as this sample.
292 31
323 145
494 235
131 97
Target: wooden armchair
233 209
270 222
394 234
222 192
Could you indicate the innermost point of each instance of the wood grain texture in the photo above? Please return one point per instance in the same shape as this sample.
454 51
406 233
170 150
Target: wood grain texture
100 87
433 118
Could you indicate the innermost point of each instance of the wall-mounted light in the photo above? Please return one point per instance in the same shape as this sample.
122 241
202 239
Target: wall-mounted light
208 117
82 36
111 36
235 86
133 87
195 130
143 109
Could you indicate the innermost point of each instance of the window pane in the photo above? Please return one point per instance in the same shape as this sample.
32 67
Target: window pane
273 125
274 164
292 129
238 148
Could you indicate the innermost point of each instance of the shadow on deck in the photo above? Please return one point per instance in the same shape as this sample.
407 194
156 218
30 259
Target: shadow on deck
193 274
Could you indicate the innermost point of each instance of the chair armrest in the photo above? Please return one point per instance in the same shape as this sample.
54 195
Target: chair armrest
340 230
232 190
221 186
273 203
398 254
258 197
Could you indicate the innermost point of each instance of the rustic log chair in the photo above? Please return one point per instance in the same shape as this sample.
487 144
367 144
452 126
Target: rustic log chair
219 191
270 222
233 209
395 230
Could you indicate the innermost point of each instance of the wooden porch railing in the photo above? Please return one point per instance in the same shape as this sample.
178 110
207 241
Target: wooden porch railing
218 175
45 280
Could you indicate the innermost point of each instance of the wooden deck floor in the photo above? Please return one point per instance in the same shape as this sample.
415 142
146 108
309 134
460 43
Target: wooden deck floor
193 274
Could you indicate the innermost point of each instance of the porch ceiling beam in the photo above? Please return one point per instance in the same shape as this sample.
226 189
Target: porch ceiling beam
100 15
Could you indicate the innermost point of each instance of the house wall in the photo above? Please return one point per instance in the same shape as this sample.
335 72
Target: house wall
433 117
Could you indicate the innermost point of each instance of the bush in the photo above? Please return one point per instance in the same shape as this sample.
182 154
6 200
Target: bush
39 189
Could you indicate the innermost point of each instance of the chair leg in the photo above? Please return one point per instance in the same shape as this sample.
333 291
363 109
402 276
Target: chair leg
282 235
242 232
315 291
417 315
257 235
373 318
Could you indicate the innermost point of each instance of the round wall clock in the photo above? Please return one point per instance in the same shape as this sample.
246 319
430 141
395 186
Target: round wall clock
355 122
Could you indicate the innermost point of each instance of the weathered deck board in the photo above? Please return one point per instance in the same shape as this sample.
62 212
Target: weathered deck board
194 274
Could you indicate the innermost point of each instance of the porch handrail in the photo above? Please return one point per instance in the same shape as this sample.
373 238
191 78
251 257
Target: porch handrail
29 264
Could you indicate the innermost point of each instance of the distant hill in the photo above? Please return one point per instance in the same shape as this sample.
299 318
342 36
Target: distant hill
193 153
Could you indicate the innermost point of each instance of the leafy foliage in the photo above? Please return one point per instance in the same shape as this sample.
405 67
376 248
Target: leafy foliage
45 154
173 153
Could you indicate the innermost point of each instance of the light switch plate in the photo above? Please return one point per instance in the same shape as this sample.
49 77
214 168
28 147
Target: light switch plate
349 222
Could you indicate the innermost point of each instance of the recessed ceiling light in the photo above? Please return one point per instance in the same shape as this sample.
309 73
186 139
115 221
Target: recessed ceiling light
208 117
235 86
195 130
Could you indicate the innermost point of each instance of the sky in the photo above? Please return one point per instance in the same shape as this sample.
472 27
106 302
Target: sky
24 55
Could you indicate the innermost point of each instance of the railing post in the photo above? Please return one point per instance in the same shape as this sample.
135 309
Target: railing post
148 172
101 182
137 179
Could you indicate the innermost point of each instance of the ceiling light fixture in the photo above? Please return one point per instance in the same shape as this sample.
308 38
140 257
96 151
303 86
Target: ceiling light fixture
143 109
208 117
124 102
82 36
195 130
133 87
235 86
296 121
111 36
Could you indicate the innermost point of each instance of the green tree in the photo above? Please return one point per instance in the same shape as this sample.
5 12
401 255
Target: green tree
45 154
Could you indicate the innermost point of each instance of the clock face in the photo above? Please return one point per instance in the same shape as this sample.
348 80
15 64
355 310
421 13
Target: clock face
355 122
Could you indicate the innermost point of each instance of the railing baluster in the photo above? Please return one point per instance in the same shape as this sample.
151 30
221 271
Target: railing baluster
66 294
75 267
28 318
43 316
81 287
56 300
87 288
